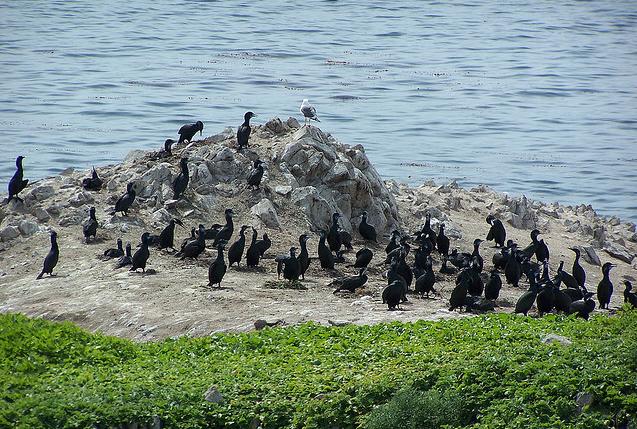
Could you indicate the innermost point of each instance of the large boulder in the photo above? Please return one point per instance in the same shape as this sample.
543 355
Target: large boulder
265 211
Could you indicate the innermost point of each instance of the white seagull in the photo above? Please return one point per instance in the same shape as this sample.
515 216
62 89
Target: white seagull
308 111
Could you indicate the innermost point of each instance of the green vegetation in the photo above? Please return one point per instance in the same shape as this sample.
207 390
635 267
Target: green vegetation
284 284
482 372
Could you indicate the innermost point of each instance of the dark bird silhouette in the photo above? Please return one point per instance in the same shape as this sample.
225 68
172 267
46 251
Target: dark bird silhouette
115 253
125 260
51 259
630 297
289 265
526 300
393 242
166 238
244 130
218 267
308 111
211 233
562 300
225 233
255 176
403 247
235 252
193 236
476 257
363 258
583 307
304 257
427 231
126 201
165 152
254 253
501 258
497 232
90 226
425 282
141 255
493 286
93 183
333 235
325 255
393 275
513 269
187 132
350 284
444 269
471 275
578 271
545 299
458 296
17 182
367 231
181 181
194 248
442 241
605 286
404 270
264 244
568 280
392 295
537 247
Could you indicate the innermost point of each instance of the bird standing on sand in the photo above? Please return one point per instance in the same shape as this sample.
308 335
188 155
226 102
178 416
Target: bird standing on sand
218 267
126 201
235 253
90 226
115 253
253 253
289 265
141 255
51 259
244 130
125 260
186 132
17 184
308 111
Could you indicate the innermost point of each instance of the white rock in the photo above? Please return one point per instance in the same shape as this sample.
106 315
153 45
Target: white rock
80 198
316 208
265 211
213 395
619 252
27 227
554 338
40 193
9 233
283 190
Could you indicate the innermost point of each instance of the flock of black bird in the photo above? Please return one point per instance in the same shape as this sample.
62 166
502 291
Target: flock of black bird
474 290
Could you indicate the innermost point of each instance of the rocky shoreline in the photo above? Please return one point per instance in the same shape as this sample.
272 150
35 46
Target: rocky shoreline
309 175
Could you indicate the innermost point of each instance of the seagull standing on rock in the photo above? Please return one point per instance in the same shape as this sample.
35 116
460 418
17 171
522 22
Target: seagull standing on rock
308 111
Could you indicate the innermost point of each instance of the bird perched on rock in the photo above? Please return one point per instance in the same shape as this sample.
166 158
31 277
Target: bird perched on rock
90 226
244 130
93 183
125 260
630 297
225 233
254 253
393 294
350 284
605 286
308 111
141 255
165 152
126 201
181 181
186 132
51 259
304 257
289 265
235 253
17 183
497 232
367 231
115 253
218 267
255 176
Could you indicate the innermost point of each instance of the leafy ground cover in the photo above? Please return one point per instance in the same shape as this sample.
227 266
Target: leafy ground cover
483 372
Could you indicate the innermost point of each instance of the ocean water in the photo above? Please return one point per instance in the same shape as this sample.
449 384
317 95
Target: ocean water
535 98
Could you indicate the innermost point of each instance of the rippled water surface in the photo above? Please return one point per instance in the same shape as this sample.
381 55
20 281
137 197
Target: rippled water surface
530 97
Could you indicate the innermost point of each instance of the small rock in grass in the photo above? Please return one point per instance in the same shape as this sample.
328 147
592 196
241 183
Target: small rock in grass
213 395
554 338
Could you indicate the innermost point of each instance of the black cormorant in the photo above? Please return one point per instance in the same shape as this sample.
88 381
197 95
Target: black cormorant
194 248
217 268
630 297
264 244
526 300
115 253
304 257
367 231
141 255
167 236
513 269
350 284
605 286
393 242
393 294
583 307
442 241
235 252
425 283
363 258
181 181
290 265
253 253
93 183
125 260
225 233
186 132
497 232
17 184
90 226
255 176
458 296
126 201
51 259
243 132
578 271
493 286
325 255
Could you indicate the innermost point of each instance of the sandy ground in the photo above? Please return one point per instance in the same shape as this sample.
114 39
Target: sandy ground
175 300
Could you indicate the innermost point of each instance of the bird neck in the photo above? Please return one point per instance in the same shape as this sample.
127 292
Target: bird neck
220 254
246 121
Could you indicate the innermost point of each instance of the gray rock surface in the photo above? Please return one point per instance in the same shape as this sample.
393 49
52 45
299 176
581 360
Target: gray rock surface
9 233
28 227
265 211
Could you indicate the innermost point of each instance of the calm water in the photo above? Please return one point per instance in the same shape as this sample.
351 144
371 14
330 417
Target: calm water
530 97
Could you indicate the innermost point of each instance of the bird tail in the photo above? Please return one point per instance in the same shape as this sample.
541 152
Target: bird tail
40 275
315 118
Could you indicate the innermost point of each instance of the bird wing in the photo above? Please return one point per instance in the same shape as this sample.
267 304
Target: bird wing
308 111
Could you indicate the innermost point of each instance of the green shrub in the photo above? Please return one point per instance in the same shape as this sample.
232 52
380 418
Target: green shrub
413 409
